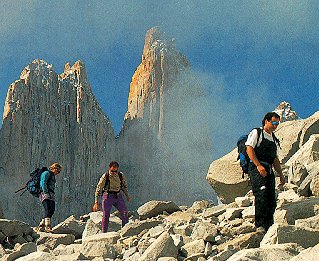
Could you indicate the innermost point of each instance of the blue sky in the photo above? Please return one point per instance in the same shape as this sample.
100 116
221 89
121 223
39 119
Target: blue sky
249 55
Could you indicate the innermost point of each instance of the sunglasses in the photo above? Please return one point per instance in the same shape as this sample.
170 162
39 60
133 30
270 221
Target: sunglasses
275 123
114 171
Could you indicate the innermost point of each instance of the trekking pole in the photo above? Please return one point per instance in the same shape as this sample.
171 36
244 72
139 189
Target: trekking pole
21 189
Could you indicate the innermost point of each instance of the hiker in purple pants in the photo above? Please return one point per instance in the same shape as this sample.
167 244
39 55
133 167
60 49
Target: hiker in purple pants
110 185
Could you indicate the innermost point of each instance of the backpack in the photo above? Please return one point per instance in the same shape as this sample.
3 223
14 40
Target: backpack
33 184
107 182
242 150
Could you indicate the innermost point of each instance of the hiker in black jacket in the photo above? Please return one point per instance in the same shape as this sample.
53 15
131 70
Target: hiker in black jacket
263 158
47 196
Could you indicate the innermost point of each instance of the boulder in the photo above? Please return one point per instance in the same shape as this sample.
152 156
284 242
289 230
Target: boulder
154 208
37 256
314 184
225 177
309 254
281 233
136 227
70 226
308 152
101 245
21 251
214 211
93 224
204 230
268 253
181 217
232 213
66 249
249 240
51 241
289 195
12 228
163 246
242 201
304 187
2 251
194 247
294 134
288 213
312 222
248 212
199 206
71 257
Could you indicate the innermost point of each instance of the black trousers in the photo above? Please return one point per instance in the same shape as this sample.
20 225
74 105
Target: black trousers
49 208
265 196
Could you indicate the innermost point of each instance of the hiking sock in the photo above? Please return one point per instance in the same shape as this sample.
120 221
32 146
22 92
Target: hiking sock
47 222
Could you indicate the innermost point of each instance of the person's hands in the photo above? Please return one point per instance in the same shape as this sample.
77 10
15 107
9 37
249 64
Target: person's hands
95 207
262 170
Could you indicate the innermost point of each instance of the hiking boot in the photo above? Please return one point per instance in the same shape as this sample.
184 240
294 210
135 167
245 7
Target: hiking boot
48 229
40 228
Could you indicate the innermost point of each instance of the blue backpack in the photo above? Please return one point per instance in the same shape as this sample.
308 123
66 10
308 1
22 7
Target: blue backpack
242 152
33 184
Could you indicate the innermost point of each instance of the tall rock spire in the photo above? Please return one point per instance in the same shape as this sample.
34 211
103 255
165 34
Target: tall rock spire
53 118
157 72
156 143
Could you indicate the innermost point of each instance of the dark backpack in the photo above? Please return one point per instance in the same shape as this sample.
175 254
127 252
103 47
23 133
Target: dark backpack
107 182
242 150
33 184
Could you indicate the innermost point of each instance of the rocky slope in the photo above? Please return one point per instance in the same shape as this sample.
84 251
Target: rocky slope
52 118
165 138
161 230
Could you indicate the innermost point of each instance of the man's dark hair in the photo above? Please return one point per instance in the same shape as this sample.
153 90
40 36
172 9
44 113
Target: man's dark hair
269 115
113 164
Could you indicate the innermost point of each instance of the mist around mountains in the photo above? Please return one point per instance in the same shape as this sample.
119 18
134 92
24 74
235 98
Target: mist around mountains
165 151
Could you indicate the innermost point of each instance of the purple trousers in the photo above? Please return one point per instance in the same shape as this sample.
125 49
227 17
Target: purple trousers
118 202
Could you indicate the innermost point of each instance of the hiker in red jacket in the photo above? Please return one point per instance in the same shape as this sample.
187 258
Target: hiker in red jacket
110 185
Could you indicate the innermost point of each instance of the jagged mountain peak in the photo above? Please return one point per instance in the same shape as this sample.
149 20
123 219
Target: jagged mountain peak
286 112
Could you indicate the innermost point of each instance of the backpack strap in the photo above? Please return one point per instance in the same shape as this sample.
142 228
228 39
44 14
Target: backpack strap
259 131
276 139
107 181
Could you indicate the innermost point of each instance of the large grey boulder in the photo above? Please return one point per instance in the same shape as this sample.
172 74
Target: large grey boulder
101 245
13 228
288 213
268 253
51 241
136 227
194 247
66 249
312 222
204 230
309 254
154 208
163 246
93 225
37 256
21 251
281 233
294 134
308 152
70 226
249 240
225 177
